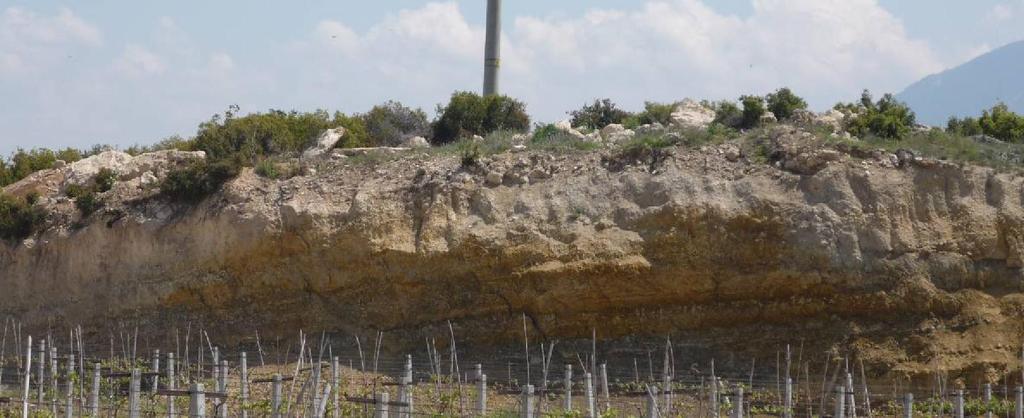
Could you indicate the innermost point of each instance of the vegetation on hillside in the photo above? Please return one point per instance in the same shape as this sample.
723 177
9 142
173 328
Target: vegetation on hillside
468 114
887 118
998 122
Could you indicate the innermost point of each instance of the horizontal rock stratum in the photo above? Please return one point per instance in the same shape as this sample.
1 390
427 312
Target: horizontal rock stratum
910 263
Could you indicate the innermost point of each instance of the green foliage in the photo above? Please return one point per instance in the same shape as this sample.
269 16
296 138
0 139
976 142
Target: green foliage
258 135
355 131
727 114
964 127
549 138
469 114
75 191
391 123
655 113
170 143
105 180
998 122
599 114
87 203
268 169
887 118
469 152
18 218
753 109
198 180
783 103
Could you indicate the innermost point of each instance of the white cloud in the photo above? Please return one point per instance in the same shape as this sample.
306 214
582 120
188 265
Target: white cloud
30 42
138 61
1001 12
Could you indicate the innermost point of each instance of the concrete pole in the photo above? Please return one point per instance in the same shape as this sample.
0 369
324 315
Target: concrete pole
94 401
41 371
245 386
958 404
652 405
908 406
197 401
492 50
1019 410
335 388
589 385
527 403
988 399
787 409
738 409
568 388
155 367
53 381
133 394
69 404
604 387
170 385
481 400
222 405
275 397
382 405
28 377
840 401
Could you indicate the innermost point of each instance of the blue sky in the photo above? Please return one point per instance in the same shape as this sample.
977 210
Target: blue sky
77 73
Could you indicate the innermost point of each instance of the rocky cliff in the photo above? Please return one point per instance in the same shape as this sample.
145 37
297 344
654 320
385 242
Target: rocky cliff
913 264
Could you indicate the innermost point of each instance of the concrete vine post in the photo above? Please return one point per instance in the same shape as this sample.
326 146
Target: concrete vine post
94 402
197 401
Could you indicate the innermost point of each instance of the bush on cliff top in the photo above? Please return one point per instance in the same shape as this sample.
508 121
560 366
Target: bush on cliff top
468 114
18 218
199 179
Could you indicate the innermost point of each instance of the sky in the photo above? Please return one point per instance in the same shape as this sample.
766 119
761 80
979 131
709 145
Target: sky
123 72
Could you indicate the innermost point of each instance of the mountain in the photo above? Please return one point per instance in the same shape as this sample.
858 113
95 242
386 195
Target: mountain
997 76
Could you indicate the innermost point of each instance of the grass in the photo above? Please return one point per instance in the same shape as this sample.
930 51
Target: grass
944 146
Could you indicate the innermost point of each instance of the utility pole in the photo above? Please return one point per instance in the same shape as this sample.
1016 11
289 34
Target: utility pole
492 50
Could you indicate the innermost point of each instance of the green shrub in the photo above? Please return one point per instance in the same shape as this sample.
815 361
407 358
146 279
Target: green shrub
268 169
18 218
355 131
198 180
727 114
75 191
656 113
469 152
545 132
964 127
783 103
753 110
1001 123
105 180
391 123
887 118
599 114
257 135
87 203
469 114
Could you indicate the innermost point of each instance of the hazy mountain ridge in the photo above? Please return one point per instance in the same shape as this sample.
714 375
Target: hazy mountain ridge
969 88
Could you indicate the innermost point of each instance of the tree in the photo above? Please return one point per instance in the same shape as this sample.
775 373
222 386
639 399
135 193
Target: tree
599 114
886 118
468 114
753 109
391 123
783 103
1002 123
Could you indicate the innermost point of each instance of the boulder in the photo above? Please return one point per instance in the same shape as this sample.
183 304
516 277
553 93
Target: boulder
83 171
566 126
416 142
494 179
768 118
832 119
691 114
615 133
325 143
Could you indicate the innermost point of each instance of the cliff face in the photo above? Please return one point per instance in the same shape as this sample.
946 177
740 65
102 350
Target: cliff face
914 264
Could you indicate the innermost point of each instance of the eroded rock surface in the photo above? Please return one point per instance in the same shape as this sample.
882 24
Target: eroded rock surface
908 265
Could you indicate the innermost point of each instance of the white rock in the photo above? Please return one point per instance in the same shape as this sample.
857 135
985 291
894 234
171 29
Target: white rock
83 171
615 133
325 143
566 126
478 138
148 178
60 164
691 114
416 142
494 178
